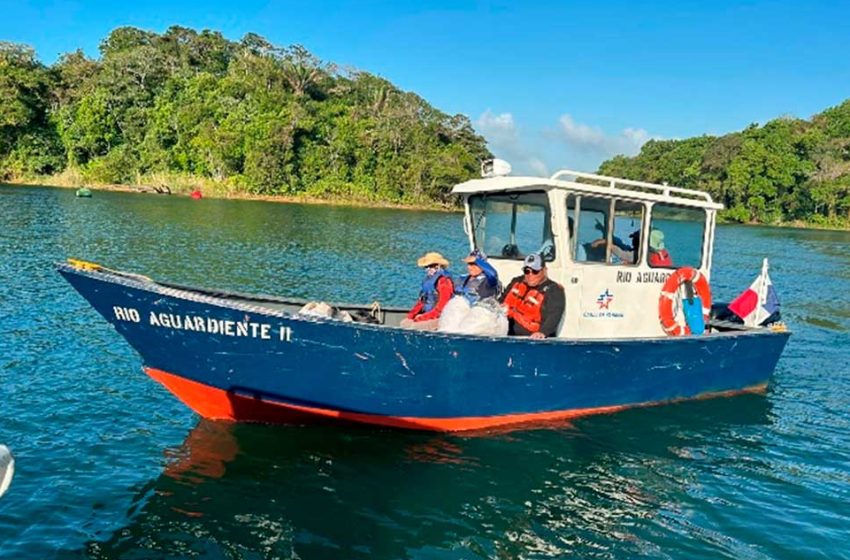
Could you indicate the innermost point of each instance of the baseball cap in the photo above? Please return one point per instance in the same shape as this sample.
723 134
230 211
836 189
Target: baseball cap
474 256
534 262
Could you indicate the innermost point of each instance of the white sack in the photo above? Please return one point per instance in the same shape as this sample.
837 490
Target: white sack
486 318
453 315
322 309
317 309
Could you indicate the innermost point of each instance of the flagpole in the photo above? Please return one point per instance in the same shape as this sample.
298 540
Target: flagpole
761 313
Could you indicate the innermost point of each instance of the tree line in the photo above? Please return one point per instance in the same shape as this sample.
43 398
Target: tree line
263 119
257 117
789 170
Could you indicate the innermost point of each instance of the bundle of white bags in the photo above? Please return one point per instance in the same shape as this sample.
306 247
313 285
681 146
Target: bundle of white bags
322 309
486 317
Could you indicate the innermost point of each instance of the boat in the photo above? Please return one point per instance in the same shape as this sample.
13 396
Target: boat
255 358
83 192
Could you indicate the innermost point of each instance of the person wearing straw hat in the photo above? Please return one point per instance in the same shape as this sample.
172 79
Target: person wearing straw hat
437 289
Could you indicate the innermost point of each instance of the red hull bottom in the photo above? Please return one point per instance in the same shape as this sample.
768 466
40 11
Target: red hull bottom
216 404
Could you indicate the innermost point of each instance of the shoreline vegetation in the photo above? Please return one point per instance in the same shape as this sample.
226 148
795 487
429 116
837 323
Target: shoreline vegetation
247 119
241 116
183 186
186 185
789 170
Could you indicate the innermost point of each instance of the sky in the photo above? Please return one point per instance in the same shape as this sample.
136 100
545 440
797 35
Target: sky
550 85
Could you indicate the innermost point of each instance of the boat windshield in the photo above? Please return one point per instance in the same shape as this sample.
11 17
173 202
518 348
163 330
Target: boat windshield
511 226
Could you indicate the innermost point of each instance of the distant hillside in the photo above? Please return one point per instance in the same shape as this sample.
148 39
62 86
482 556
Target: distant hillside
787 170
248 115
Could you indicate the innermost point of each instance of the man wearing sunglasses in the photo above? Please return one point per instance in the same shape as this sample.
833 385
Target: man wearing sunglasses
534 303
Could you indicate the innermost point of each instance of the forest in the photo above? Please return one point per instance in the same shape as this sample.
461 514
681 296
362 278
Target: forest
193 107
789 171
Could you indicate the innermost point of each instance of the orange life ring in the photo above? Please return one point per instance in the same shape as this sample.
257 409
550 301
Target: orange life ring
669 293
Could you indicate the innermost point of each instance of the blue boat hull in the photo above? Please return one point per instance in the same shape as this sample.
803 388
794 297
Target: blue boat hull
244 362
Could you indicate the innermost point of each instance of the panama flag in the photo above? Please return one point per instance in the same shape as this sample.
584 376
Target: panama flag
758 302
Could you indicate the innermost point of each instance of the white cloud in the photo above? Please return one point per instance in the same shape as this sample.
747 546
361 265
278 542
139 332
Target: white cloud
499 126
591 140
539 151
504 139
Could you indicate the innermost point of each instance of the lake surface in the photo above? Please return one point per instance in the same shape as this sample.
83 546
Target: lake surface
110 465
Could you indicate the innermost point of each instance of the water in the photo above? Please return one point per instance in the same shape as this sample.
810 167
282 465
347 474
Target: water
109 465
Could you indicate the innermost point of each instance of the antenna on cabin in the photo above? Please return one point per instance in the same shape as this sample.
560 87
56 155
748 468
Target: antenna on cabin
495 168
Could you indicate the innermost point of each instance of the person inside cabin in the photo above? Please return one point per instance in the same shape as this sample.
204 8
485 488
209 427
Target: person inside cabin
534 303
595 250
436 291
625 253
658 254
481 280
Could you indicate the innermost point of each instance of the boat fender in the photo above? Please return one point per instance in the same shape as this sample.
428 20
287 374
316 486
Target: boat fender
692 309
696 307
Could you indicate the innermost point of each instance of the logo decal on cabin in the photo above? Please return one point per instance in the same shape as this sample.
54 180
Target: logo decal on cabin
604 299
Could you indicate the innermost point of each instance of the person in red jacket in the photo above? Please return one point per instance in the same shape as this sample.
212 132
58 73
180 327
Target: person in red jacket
437 289
659 257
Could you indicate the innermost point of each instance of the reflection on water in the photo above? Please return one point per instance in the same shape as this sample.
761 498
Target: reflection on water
603 486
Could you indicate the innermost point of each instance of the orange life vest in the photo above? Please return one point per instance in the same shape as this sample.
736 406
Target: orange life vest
524 306
660 258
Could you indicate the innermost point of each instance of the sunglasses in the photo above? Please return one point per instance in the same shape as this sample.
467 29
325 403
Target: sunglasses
528 270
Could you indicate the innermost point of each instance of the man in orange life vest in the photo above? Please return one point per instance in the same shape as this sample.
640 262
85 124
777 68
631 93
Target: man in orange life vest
535 304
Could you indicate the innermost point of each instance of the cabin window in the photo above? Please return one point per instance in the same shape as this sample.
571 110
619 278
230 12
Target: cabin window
676 236
511 226
589 216
625 241
590 219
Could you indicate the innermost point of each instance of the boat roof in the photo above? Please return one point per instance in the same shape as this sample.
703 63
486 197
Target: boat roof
601 185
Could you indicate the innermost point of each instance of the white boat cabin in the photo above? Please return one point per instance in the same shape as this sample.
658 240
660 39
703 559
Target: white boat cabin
594 233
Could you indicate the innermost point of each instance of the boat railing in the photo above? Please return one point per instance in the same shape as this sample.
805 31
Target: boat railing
627 184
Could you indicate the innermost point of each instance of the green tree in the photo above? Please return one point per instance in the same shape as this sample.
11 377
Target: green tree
28 142
260 117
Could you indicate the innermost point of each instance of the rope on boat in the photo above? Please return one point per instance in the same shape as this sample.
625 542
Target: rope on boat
375 311
94 267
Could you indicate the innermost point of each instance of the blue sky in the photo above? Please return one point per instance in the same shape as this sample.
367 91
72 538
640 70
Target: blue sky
549 84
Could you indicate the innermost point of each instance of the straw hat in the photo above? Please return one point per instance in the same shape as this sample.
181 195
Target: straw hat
432 258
